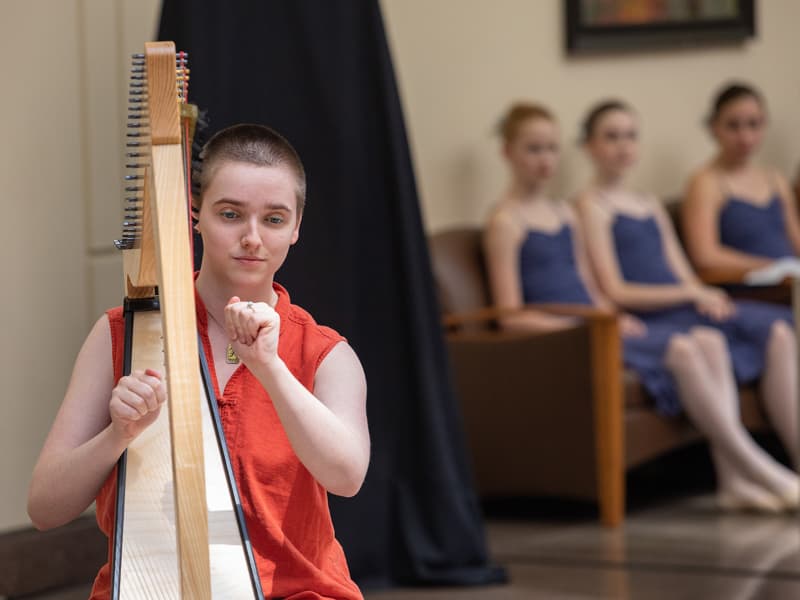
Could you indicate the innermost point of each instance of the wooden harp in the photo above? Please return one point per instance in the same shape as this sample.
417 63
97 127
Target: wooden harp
179 530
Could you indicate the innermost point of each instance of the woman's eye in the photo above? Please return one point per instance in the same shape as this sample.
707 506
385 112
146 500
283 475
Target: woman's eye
228 214
275 219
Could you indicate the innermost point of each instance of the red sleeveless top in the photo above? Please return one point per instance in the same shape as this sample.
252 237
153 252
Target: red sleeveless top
285 508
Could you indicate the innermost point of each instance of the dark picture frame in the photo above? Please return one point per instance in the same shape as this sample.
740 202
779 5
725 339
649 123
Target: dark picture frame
613 25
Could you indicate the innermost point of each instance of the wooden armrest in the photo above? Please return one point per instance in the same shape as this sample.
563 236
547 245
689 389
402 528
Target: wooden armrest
733 281
586 311
732 276
493 313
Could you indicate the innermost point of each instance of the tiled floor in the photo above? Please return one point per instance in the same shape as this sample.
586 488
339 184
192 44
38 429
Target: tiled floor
684 549
681 549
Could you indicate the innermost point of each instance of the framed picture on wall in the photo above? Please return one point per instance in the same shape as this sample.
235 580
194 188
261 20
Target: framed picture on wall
600 25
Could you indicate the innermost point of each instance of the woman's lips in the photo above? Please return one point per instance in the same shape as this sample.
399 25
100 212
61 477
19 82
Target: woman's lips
248 260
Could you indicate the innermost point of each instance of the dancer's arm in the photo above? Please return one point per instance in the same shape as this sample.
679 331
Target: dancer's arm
501 242
700 221
791 217
597 220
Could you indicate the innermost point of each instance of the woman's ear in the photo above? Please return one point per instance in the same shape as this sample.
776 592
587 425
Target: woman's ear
296 232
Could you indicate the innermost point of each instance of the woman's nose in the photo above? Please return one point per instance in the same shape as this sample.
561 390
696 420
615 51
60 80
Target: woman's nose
250 237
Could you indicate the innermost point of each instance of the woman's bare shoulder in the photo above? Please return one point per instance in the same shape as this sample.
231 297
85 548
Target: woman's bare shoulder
503 217
591 205
705 179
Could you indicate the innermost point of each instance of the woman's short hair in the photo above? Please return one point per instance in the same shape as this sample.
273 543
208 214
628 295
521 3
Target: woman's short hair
257 145
517 114
596 112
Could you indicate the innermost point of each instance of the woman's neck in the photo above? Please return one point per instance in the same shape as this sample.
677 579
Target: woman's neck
216 297
731 164
609 182
526 192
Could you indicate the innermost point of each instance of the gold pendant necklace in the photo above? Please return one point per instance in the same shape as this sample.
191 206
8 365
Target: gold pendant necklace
230 356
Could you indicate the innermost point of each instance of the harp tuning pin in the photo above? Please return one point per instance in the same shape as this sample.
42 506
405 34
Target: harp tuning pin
123 244
132 177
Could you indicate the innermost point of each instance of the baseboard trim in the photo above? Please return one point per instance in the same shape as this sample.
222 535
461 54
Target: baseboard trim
33 561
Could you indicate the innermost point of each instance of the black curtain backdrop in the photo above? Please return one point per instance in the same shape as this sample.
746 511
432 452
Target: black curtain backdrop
320 73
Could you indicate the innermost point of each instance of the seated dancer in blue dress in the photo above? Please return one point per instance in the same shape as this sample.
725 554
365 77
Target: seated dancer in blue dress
737 214
639 265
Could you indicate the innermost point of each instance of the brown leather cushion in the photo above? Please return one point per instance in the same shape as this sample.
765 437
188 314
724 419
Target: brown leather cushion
673 208
459 270
635 395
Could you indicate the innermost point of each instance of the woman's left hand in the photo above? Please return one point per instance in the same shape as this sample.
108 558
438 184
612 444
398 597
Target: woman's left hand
253 329
715 304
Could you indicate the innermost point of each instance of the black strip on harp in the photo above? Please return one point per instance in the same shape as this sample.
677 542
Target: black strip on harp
130 308
236 501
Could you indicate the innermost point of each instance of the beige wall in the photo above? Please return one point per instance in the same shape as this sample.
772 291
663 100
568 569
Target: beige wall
459 63
64 65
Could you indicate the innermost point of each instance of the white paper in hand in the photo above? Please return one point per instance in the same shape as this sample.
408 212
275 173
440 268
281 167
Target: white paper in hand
775 272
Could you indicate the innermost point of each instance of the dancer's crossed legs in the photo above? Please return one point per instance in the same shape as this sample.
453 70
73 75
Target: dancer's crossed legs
747 475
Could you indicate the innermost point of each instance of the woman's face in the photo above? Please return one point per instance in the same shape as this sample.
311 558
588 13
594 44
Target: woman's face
533 151
738 128
248 220
613 143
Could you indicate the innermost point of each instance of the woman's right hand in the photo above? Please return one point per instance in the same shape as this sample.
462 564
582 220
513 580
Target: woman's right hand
713 303
631 326
135 402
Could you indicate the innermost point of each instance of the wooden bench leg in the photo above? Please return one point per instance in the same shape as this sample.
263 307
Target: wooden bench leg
608 407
